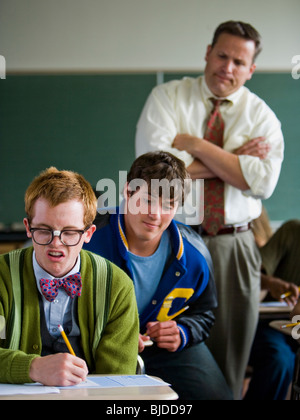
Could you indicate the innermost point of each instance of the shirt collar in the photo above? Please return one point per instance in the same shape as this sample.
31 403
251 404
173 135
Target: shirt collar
40 273
176 238
207 93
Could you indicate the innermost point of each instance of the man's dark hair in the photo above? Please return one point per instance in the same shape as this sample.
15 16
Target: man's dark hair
241 29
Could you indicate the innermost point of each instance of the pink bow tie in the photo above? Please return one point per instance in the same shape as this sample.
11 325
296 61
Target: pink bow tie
72 285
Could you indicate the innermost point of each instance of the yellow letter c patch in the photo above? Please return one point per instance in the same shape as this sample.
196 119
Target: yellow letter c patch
163 314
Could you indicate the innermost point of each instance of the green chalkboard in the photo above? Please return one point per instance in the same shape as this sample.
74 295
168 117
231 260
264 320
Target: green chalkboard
84 123
282 93
87 123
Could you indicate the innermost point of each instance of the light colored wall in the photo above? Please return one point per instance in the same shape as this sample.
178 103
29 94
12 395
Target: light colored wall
137 35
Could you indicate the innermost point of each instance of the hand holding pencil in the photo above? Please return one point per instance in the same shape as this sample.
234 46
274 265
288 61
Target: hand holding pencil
292 295
280 289
61 369
285 295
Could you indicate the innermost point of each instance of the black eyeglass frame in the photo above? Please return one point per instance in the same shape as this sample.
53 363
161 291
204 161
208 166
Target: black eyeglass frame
57 233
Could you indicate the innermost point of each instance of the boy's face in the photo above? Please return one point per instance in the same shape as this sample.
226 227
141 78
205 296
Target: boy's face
56 258
147 217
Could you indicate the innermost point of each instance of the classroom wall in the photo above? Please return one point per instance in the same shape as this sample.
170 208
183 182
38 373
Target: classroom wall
79 72
137 35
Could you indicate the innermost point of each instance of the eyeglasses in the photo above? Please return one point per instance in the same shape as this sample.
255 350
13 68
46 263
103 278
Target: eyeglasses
67 237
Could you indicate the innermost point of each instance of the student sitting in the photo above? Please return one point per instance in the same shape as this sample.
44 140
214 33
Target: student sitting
273 353
171 270
55 282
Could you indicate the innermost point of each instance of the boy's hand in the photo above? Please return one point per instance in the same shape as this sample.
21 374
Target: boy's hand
60 369
165 334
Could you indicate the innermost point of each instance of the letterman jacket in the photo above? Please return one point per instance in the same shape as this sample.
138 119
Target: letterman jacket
187 279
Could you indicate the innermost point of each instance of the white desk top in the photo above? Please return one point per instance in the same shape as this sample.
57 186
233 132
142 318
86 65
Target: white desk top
120 393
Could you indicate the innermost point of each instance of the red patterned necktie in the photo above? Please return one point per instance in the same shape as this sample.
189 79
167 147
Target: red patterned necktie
214 188
72 285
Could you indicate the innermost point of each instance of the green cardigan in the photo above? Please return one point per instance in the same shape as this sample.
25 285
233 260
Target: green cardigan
107 316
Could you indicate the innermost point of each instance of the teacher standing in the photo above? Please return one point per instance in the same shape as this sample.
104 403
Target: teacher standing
229 137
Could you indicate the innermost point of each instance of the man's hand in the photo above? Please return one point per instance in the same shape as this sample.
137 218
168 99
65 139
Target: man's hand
186 142
278 287
255 147
60 369
165 334
219 162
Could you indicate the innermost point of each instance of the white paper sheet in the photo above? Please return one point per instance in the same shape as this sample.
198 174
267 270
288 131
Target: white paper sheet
27 389
114 381
274 304
111 381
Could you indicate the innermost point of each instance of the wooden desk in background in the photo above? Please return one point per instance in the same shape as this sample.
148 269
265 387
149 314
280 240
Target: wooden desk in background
277 324
10 240
274 310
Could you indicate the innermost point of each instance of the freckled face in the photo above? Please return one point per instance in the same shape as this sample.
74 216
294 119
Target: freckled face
56 258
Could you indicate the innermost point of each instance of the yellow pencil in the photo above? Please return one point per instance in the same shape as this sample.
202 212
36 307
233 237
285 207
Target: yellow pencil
290 325
287 294
66 340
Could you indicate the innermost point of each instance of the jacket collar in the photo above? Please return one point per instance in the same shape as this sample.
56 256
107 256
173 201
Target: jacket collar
176 238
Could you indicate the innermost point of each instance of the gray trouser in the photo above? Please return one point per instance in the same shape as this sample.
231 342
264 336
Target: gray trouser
237 264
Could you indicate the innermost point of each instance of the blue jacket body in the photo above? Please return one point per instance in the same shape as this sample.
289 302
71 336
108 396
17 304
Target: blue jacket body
187 279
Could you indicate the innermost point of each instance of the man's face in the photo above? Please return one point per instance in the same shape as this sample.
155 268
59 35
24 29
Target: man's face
229 64
56 258
147 217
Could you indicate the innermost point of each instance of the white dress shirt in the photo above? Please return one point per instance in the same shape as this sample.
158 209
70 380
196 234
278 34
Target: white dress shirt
183 107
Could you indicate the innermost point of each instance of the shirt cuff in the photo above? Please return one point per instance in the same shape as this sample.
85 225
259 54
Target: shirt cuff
184 335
